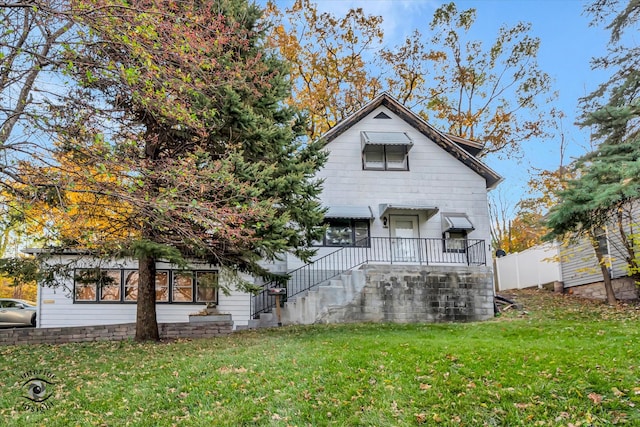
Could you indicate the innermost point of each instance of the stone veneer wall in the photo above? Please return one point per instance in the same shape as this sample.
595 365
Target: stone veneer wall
624 288
404 294
111 332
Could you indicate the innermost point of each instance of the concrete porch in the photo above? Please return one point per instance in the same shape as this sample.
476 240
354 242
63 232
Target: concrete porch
392 293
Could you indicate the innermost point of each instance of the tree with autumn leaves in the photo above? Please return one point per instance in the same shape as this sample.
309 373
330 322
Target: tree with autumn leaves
528 228
493 94
180 142
177 121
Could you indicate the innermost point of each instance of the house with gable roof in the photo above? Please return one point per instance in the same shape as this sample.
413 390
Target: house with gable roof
407 240
407 226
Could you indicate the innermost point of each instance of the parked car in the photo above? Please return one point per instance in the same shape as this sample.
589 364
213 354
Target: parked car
17 312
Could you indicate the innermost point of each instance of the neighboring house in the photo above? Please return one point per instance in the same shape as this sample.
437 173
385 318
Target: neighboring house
407 239
581 274
571 267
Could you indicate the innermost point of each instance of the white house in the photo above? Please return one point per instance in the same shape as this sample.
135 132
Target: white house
104 292
407 239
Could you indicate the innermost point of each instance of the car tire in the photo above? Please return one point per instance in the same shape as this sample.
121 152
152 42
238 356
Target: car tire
33 320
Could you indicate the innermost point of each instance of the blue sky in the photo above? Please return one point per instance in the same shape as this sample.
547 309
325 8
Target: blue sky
567 45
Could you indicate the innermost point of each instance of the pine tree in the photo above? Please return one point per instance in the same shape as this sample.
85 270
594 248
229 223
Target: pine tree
608 183
182 102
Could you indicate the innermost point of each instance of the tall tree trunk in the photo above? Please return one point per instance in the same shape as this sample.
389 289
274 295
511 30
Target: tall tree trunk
606 274
146 323
608 286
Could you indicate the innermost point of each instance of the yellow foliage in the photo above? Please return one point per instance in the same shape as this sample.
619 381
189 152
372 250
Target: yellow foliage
331 80
523 232
26 291
77 210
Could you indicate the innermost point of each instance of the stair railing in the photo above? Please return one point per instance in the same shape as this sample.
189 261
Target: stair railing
312 274
423 251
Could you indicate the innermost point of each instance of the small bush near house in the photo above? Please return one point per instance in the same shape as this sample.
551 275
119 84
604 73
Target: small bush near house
559 361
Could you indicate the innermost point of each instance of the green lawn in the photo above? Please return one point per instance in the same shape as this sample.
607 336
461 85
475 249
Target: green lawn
561 363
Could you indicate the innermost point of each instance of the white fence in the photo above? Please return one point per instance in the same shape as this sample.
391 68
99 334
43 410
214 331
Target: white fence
534 267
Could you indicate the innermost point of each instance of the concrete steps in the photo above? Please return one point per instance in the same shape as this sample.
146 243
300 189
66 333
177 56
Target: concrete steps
314 305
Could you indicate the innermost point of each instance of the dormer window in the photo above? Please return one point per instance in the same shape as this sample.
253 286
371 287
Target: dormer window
385 150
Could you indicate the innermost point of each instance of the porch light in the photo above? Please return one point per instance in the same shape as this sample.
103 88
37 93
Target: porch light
384 222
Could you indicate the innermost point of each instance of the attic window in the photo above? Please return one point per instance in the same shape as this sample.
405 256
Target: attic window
385 150
381 115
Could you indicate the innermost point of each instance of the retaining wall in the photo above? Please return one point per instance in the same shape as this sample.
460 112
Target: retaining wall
405 294
120 332
624 289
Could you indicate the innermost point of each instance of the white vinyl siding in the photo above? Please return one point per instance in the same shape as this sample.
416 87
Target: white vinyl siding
57 308
435 179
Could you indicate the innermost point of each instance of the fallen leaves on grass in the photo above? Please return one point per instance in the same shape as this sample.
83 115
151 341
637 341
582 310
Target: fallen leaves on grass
595 398
232 370
546 304
421 418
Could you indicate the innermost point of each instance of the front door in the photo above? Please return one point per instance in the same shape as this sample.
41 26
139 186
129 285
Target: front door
404 238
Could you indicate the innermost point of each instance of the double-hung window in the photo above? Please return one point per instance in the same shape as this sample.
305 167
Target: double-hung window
455 241
385 151
455 227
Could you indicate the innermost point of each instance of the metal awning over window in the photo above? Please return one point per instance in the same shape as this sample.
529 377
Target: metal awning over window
456 222
385 138
386 208
351 212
